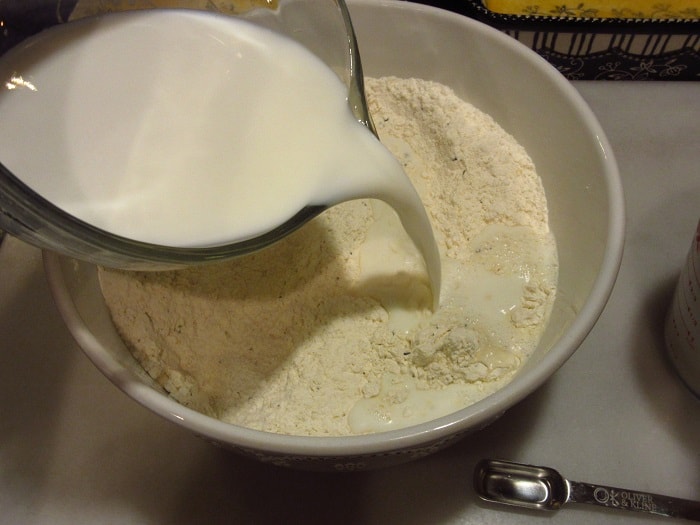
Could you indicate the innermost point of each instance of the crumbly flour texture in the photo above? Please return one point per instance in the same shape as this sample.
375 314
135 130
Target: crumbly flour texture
292 340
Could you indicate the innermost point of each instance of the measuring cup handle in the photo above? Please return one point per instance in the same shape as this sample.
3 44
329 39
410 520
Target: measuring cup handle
633 500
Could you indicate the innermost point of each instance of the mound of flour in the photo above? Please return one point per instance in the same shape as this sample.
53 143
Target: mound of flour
298 338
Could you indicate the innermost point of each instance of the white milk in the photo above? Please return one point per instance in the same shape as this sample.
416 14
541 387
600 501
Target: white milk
188 129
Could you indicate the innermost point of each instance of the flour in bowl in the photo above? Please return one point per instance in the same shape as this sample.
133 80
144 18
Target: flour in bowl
327 332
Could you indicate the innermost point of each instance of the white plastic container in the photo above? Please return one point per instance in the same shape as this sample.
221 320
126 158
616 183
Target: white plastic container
683 320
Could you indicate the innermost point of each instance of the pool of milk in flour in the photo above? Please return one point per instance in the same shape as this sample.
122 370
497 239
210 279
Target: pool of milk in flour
479 315
186 128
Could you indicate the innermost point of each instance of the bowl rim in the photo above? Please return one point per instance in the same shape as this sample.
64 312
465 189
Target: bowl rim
467 419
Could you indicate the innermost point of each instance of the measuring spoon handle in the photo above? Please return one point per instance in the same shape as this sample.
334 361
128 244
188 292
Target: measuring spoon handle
633 500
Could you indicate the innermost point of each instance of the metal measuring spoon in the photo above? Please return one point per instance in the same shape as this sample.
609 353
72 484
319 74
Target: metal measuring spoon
544 488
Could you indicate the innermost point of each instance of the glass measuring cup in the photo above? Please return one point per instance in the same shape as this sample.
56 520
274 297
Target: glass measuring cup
324 27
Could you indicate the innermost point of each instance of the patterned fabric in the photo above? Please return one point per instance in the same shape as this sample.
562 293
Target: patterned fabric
600 48
616 56
651 9
618 65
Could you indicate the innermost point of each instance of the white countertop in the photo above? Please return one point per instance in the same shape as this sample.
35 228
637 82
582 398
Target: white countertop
74 449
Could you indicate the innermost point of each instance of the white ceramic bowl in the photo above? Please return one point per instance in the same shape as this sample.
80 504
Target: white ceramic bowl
545 114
